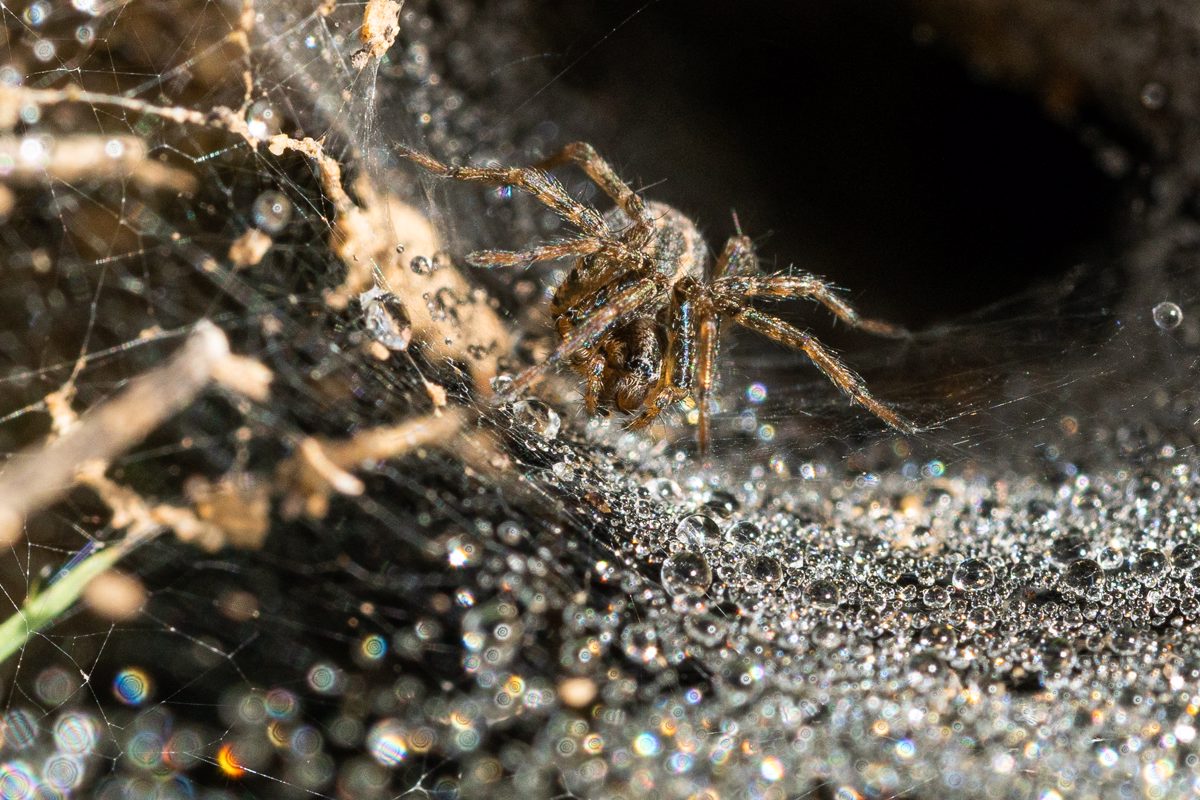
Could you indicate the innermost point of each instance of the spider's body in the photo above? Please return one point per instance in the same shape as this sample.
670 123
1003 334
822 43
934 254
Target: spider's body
639 314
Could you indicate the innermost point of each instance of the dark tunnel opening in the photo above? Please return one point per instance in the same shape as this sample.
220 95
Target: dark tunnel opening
846 147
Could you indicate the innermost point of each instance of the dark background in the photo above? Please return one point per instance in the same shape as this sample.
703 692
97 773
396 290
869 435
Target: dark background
849 141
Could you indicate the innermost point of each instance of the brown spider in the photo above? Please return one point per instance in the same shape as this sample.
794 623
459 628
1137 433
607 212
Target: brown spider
639 314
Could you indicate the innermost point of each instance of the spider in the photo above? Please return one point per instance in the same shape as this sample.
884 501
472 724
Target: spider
639 315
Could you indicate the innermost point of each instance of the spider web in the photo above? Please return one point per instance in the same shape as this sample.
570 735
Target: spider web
371 583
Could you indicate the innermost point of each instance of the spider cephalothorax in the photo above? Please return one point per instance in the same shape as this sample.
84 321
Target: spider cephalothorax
639 314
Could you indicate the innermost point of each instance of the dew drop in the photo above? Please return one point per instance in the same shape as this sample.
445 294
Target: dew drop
742 535
1186 557
936 597
763 570
1167 315
262 120
1067 548
1150 566
973 575
698 530
706 629
823 594
1123 640
1153 96
271 211
420 265
664 489
1083 577
722 504
537 417
686 574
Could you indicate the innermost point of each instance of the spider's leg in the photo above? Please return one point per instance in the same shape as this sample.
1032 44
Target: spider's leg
631 297
605 177
737 256
548 191
825 360
592 366
545 252
803 285
675 378
706 370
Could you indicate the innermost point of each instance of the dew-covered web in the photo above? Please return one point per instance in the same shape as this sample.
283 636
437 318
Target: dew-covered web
270 533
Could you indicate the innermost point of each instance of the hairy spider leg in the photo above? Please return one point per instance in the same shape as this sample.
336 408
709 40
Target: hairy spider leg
590 363
824 359
738 252
678 371
531 255
779 287
737 256
635 296
586 158
549 192
535 182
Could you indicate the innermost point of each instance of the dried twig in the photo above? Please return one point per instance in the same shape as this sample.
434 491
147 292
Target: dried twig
320 468
31 160
38 477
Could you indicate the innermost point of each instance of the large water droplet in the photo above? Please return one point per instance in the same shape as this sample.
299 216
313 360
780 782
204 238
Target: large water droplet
686 574
973 575
1069 547
1150 566
823 594
763 570
742 535
698 530
537 417
271 211
1167 315
1083 577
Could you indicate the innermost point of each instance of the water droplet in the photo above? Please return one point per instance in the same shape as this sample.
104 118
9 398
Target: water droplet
1186 557
698 530
501 383
936 597
742 535
706 629
973 575
386 743
537 417
420 265
262 120
1057 654
664 489
940 636
271 211
1153 96
722 504
1167 315
823 594
1111 558
385 319
1150 566
1069 547
686 574
1084 577
763 570
1123 640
